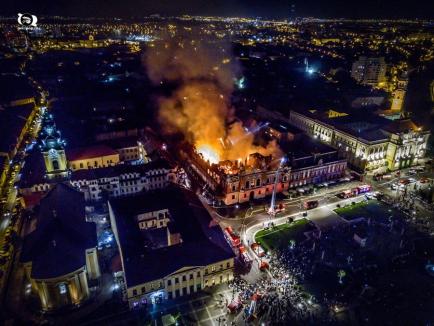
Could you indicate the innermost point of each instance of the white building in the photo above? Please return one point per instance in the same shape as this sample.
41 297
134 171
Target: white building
369 71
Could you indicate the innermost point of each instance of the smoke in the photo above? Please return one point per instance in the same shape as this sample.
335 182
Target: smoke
200 107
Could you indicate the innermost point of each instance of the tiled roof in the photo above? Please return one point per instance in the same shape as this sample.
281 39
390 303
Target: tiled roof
89 152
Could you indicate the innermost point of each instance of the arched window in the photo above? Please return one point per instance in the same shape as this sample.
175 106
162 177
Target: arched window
55 165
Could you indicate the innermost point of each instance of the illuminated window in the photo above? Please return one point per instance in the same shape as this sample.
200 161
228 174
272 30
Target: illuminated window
62 288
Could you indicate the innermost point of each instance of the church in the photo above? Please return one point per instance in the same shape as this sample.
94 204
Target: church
60 255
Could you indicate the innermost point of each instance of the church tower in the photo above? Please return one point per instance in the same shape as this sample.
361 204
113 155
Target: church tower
52 148
399 94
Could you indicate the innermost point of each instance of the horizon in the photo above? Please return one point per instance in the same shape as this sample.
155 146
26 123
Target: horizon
273 9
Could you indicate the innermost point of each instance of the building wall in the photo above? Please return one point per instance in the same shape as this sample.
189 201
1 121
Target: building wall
396 151
185 281
244 187
132 153
122 185
407 149
317 174
95 162
67 290
154 219
92 265
55 162
398 100
369 71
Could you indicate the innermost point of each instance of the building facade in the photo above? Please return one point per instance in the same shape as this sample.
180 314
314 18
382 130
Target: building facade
367 145
52 147
98 156
59 256
114 181
398 95
369 71
168 248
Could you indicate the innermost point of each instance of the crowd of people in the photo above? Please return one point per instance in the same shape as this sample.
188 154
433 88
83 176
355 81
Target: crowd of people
277 298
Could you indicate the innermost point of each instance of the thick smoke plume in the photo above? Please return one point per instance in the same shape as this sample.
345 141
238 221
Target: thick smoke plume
199 107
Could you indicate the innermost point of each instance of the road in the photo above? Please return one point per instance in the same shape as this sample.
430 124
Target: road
255 218
9 217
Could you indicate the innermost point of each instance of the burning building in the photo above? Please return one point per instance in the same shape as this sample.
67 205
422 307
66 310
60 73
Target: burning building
240 181
197 105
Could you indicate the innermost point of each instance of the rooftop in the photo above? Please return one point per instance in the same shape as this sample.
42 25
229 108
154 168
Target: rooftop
358 124
85 153
203 240
57 246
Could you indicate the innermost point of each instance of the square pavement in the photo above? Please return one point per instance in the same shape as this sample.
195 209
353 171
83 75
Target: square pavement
204 308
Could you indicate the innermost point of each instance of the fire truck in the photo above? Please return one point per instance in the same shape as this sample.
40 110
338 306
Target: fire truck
257 249
231 237
363 189
244 256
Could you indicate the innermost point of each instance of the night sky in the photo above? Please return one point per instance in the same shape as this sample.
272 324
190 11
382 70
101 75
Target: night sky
252 8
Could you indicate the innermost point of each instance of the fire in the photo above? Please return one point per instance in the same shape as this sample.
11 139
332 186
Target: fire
209 154
200 106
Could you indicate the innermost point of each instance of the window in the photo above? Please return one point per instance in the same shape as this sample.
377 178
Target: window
176 280
143 289
191 276
55 165
228 264
184 278
169 282
233 196
134 292
62 288
198 274
81 165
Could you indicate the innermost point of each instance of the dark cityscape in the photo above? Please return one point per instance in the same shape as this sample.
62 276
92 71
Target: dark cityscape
216 163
